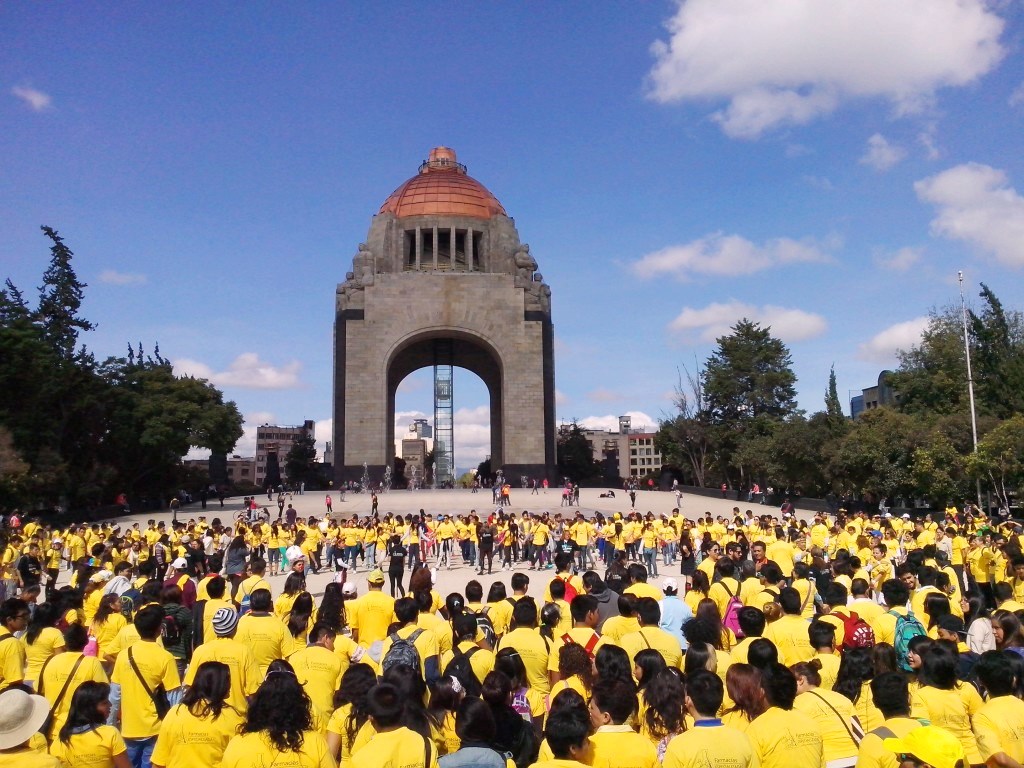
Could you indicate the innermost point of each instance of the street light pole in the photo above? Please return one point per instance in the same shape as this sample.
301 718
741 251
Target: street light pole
970 379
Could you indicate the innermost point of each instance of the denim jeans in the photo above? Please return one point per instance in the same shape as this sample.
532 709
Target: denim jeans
140 751
651 560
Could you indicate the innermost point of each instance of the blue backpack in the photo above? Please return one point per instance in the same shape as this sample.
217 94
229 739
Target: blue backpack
907 628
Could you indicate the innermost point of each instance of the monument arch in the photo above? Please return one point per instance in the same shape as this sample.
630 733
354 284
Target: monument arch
443 280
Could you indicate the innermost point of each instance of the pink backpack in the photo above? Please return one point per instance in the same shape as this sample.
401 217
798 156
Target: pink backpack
731 619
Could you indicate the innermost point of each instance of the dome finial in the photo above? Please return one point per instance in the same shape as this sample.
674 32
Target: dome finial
442 159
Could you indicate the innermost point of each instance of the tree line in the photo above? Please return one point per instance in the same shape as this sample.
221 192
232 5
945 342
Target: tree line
736 420
76 431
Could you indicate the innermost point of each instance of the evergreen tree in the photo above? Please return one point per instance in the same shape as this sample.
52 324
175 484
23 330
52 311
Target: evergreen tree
60 297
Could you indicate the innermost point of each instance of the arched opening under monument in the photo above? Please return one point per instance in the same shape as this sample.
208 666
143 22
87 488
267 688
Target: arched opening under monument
456 374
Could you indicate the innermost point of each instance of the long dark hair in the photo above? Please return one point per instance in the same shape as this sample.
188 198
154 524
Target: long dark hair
280 708
109 605
332 608
46 615
302 612
294 584
354 689
85 709
209 689
665 700
856 668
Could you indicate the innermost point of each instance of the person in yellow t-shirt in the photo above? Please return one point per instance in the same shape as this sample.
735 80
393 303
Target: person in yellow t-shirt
280 728
944 701
789 632
139 670
650 635
319 668
71 665
197 730
225 648
890 694
425 641
999 724
708 743
531 647
370 616
393 744
783 737
350 722
24 714
616 745
86 740
567 735
830 710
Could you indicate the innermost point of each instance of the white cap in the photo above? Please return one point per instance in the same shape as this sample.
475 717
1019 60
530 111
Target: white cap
57 540
180 564
906 516
731 528
670 583
348 588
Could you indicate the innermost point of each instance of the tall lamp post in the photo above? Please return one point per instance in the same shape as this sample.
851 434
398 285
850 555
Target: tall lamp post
970 378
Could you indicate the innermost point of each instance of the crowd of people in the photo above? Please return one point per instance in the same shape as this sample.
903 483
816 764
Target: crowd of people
780 643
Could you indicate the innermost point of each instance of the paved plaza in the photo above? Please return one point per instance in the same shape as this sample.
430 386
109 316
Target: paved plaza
458 502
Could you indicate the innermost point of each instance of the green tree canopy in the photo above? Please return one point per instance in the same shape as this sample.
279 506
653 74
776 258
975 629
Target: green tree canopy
575 456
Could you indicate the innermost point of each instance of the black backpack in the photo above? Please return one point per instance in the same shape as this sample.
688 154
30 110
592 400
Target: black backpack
171 631
460 668
128 602
486 626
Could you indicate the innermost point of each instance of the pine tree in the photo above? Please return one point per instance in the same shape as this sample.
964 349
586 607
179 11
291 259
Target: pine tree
60 297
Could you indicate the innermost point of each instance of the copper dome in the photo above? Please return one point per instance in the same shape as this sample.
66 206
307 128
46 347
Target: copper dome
442 188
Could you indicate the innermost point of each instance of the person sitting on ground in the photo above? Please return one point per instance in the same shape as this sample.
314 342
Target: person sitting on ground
612 705
730 746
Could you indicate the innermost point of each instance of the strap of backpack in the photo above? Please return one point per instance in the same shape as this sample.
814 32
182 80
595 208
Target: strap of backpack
138 674
728 591
644 638
426 752
64 688
839 714
883 733
592 643
414 636
810 594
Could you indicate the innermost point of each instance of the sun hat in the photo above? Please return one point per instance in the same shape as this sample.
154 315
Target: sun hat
933 745
224 621
376 576
21 715
180 564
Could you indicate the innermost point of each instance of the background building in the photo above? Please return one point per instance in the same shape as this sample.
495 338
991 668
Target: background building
873 397
239 469
627 452
273 442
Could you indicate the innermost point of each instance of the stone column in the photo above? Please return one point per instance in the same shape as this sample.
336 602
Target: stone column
419 247
435 248
451 249
469 250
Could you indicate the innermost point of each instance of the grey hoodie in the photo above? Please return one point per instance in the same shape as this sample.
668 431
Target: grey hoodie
607 606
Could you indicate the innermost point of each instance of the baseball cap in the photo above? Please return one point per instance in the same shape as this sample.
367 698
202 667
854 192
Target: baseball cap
180 564
952 623
224 621
670 583
376 576
906 516
933 745
348 588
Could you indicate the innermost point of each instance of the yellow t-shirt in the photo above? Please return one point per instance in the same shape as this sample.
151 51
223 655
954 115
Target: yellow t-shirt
89 749
256 750
821 705
395 748
584 636
710 744
617 627
790 636
57 672
659 640
872 753
371 615
481 661
643 589
534 652
245 677
784 739
138 713
952 710
187 741
319 671
619 746
999 727
49 642
267 637
425 643
12 659
338 724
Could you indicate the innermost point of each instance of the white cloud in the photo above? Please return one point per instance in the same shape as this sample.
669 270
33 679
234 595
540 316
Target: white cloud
717 320
324 434
882 347
976 204
726 256
247 371
926 139
36 100
789 62
819 182
113 277
639 421
1017 97
881 155
900 260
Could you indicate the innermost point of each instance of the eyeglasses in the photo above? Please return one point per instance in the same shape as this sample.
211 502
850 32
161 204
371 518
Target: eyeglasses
904 758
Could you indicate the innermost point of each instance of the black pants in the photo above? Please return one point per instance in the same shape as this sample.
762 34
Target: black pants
396 581
489 555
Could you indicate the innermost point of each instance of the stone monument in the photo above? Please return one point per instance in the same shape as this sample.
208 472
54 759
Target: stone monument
443 276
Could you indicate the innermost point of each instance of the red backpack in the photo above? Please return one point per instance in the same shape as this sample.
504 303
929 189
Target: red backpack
857 633
570 590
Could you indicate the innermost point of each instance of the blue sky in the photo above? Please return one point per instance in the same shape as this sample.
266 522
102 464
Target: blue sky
825 168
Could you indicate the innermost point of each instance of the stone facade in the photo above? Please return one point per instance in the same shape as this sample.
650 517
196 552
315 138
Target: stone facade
468 282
